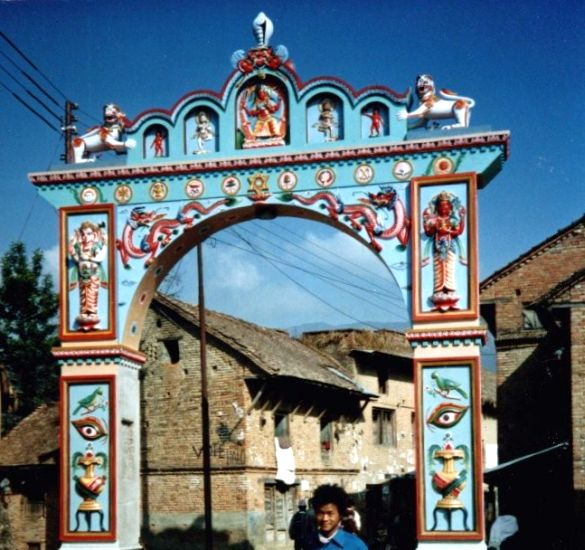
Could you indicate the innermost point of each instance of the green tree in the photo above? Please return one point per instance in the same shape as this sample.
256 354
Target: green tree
28 308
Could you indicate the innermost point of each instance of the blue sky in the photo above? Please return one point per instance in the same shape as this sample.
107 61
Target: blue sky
520 61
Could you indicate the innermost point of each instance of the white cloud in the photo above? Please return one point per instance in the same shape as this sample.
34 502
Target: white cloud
230 270
51 263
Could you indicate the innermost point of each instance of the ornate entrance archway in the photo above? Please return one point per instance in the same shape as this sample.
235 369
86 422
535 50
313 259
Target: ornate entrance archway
269 145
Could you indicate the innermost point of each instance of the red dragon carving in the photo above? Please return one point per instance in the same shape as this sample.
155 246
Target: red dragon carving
161 229
365 215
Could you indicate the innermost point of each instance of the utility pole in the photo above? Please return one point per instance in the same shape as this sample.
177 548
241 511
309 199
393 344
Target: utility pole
69 130
204 404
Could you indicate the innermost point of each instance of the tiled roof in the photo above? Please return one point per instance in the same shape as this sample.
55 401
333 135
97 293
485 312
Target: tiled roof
33 440
556 292
273 351
527 256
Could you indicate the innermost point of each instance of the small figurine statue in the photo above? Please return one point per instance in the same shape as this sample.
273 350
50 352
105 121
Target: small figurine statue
203 132
377 122
158 144
433 108
327 121
107 137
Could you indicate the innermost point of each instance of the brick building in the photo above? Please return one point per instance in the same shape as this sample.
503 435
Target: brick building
29 483
535 309
342 402
268 395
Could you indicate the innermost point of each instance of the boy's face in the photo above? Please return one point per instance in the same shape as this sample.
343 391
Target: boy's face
328 518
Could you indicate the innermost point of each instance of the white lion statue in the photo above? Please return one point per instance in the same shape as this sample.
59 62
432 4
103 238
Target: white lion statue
107 137
432 108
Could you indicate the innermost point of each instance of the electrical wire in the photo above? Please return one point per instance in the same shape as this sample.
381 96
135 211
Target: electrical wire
378 289
322 275
307 290
27 106
36 84
30 79
36 98
28 60
322 248
336 281
330 280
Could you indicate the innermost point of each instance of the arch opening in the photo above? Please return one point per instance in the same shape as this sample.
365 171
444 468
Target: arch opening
384 288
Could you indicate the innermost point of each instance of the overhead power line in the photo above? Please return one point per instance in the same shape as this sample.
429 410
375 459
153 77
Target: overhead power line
28 60
339 284
36 98
324 249
331 276
307 290
379 289
30 79
31 109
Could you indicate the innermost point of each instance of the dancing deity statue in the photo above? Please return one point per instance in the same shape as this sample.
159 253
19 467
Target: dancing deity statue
262 116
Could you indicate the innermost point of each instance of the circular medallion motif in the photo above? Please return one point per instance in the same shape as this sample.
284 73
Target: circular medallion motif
158 190
325 177
123 194
288 180
443 165
402 170
88 195
363 174
194 188
231 185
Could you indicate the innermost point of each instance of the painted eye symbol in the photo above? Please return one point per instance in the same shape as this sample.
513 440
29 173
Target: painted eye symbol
447 415
90 428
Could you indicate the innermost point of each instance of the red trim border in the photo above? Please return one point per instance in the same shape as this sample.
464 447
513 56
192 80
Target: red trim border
477 533
65 535
472 312
65 333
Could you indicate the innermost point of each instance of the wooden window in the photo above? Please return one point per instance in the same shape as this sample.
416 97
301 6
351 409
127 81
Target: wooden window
173 351
278 508
35 507
383 382
326 437
281 425
384 427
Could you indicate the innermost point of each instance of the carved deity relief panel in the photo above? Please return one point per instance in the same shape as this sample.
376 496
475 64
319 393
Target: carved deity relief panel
445 252
87 273
88 459
262 114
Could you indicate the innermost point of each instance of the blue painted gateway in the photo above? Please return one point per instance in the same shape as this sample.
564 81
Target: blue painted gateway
397 171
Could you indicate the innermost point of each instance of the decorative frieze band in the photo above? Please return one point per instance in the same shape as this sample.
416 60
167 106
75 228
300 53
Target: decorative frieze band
447 338
259 161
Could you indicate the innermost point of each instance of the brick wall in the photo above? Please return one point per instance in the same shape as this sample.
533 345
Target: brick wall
541 384
32 520
533 276
242 441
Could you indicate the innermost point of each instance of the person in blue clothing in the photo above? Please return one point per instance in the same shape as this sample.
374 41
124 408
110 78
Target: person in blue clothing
330 503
